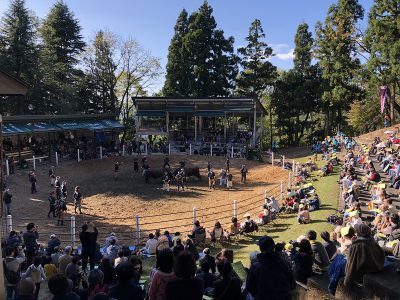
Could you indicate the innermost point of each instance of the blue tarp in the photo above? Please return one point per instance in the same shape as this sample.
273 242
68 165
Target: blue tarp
13 129
112 124
71 125
42 127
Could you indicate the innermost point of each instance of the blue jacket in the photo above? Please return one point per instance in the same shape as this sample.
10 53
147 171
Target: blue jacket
336 271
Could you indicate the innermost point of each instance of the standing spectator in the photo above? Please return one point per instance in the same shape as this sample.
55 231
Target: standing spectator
52 176
364 256
88 241
228 287
211 179
60 288
186 285
135 165
30 237
52 243
243 172
229 181
52 203
209 166
116 170
329 246
32 180
11 164
7 200
227 164
64 191
303 261
125 288
269 277
36 273
321 258
65 259
165 262
12 272
57 185
78 199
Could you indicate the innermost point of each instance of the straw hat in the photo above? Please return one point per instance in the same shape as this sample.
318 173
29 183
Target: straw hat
247 215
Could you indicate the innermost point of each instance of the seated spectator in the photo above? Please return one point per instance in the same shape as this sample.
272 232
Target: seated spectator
207 277
111 237
65 259
329 246
60 288
169 237
196 227
217 234
163 243
303 261
49 268
186 285
314 204
304 214
365 256
279 247
235 228
121 258
190 247
321 259
273 205
248 225
112 251
108 271
125 288
151 245
228 287
178 247
56 256
269 277
13 240
26 290
165 262
210 259
96 284
52 243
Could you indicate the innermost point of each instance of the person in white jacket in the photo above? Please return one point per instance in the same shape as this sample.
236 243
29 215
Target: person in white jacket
36 273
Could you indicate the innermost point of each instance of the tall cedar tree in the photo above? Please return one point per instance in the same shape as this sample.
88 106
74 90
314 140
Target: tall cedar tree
101 72
336 51
383 42
18 52
178 76
62 43
297 93
212 62
258 73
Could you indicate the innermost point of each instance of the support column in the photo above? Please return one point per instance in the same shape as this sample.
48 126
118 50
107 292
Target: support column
225 127
254 124
195 129
167 122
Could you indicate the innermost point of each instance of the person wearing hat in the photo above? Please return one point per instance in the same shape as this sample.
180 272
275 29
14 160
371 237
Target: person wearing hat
211 179
52 243
112 236
269 277
248 225
365 256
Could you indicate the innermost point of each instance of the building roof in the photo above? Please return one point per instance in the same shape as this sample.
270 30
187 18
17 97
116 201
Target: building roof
11 85
188 104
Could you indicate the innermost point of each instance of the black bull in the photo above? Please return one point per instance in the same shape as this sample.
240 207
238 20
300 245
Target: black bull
156 174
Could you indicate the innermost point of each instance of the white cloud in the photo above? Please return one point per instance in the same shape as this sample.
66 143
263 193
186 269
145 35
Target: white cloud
279 47
285 55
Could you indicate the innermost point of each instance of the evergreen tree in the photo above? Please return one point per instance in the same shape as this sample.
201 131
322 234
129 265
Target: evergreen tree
383 42
213 64
62 43
18 52
101 69
336 51
297 94
178 70
258 73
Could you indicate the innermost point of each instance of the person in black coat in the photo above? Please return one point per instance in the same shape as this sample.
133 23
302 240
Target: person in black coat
269 277
52 202
88 241
228 287
126 289
30 237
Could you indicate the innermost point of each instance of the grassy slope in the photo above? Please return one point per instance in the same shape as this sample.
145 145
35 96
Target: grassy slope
286 227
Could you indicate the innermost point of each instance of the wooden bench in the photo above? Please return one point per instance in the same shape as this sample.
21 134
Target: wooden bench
22 153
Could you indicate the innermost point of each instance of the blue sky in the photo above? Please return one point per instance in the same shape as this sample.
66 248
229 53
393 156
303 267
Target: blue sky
151 22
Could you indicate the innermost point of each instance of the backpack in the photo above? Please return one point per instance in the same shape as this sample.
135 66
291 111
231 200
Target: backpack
11 276
334 219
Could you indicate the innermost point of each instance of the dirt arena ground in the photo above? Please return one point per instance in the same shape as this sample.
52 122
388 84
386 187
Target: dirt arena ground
113 204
